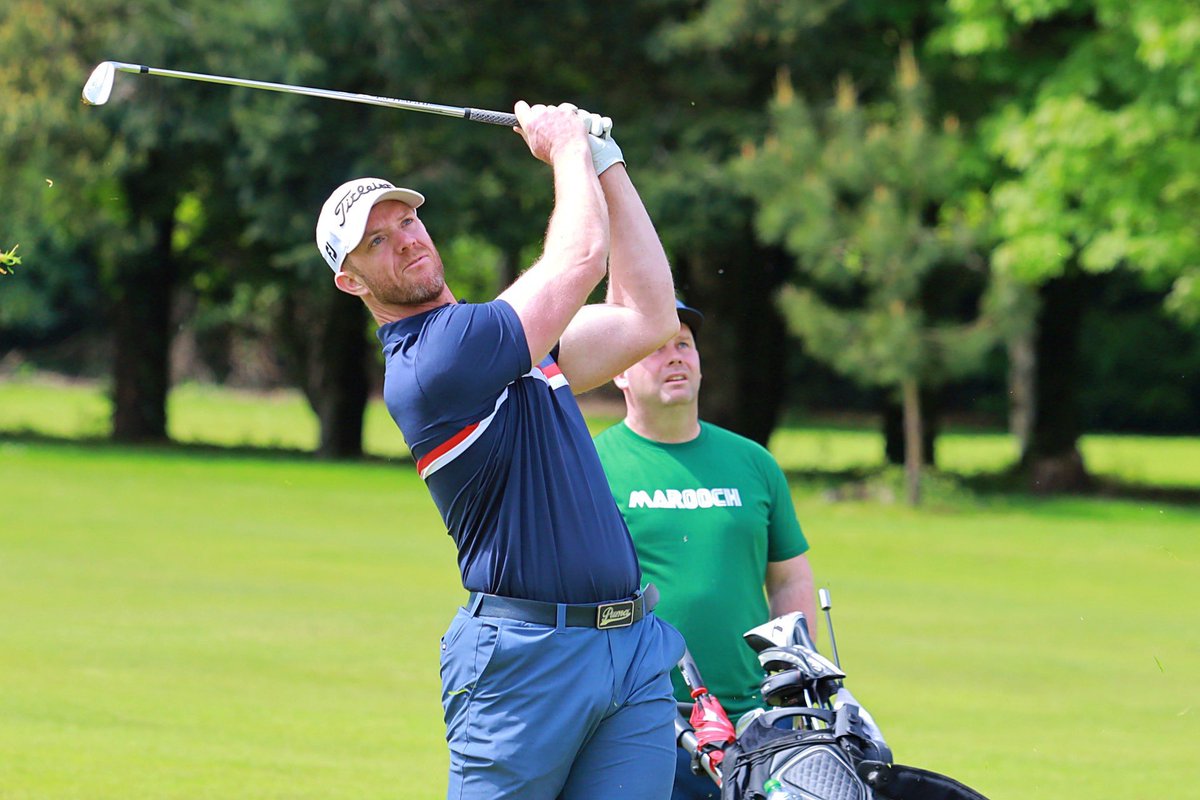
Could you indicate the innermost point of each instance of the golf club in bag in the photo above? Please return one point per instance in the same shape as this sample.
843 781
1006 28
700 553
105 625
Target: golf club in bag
703 728
816 742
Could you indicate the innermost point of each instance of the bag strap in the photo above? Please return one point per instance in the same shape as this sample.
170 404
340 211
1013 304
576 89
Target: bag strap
900 782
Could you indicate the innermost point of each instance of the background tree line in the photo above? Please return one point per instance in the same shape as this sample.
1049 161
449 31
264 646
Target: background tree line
901 207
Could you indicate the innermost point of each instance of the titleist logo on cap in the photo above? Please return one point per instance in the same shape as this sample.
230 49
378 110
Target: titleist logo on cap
353 195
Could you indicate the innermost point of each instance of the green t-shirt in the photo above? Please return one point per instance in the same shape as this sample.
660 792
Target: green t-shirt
706 516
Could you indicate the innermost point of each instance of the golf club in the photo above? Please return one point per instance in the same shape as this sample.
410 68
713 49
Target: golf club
827 604
100 84
708 726
791 628
813 665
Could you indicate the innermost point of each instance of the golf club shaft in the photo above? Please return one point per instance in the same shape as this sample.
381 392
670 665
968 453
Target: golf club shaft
690 672
685 737
826 605
470 114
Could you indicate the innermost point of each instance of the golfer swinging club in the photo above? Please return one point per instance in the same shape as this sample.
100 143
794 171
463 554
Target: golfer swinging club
555 675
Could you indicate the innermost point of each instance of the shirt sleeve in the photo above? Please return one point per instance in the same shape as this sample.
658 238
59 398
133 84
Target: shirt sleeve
471 352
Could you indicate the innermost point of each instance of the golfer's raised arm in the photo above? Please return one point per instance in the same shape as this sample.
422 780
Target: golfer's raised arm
550 293
639 316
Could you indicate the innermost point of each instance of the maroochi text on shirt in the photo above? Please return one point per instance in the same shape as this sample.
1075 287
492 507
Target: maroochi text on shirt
684 499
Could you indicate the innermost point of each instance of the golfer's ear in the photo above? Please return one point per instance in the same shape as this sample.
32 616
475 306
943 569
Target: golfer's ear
349 284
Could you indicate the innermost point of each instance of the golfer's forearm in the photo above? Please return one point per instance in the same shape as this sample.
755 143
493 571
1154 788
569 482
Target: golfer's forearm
577 236
789 586
638 273
548 295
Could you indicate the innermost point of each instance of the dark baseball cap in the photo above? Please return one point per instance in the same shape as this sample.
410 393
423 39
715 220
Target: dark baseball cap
689 316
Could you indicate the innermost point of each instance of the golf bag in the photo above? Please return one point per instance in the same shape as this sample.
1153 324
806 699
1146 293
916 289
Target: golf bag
815 743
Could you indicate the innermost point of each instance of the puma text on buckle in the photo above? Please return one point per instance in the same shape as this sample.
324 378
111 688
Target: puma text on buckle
614 615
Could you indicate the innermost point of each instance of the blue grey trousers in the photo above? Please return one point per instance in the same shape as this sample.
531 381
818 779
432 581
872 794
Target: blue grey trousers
554 713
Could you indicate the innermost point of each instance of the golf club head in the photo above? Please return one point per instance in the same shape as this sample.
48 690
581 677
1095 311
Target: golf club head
785 688
822 666
99 85
810 663
779 632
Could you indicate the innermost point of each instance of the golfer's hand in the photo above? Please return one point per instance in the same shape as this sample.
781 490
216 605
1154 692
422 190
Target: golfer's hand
550 131
605 151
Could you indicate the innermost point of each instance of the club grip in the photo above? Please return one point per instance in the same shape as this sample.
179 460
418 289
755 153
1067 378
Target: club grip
691 672
490 117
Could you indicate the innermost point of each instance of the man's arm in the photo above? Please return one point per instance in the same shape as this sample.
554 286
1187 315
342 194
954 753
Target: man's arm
550 293
790 588
639 317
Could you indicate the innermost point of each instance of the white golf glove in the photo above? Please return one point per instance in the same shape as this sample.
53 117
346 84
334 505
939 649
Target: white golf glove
605 151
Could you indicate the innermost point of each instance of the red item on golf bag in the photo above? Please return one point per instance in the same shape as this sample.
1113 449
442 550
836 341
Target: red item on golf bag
712 725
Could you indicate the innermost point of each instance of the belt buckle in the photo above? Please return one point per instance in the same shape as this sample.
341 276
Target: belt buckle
614 615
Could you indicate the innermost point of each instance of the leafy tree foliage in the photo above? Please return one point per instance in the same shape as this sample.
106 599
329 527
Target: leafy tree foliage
43 189
1096 131
862 196
110 181
181 203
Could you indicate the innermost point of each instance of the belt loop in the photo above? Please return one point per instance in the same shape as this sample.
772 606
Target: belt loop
560 618
474 601
649 598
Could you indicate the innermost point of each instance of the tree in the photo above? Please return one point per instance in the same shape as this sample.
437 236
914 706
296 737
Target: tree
863 196
120 172
44 190
717 61
723 57
1098 143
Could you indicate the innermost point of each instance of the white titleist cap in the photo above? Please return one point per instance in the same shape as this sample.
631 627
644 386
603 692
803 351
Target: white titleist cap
344 215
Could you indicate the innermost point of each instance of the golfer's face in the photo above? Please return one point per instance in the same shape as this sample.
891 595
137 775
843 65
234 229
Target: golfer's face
671 374
396 258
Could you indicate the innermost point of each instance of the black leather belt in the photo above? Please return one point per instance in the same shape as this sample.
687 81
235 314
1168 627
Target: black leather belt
603 616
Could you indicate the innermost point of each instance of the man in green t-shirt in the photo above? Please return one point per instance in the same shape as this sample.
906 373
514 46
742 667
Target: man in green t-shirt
713 523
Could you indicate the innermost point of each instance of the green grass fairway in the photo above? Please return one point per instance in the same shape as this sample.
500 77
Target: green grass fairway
183 624
213 415
1026 648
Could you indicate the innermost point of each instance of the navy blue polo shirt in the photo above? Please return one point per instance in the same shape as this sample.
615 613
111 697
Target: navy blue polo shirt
507 457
